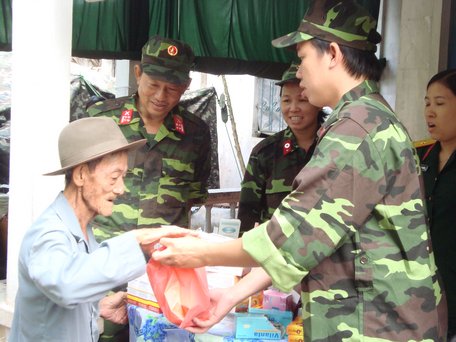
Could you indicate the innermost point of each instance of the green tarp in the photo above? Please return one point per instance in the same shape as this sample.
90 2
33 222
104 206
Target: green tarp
228 36
5 25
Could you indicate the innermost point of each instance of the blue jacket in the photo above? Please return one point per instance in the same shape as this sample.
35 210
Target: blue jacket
62 277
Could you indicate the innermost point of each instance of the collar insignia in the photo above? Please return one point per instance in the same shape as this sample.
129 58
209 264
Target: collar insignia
179 124
287 147
126 116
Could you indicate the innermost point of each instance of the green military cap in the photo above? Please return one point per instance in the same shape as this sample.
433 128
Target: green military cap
289 76
342 21
167 59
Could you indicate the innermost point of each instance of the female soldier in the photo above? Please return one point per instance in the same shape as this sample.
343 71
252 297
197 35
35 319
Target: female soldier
276 160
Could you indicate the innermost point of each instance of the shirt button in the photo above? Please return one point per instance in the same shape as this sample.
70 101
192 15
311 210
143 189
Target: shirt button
363 260
430 198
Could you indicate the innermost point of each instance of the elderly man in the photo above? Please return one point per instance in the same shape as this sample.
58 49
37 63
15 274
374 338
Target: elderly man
64 274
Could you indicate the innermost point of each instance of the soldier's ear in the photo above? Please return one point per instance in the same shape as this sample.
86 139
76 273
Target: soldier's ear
335 54
138 72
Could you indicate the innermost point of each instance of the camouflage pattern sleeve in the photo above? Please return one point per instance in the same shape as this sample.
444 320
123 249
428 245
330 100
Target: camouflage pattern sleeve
198 188
273 165
354 232
252 192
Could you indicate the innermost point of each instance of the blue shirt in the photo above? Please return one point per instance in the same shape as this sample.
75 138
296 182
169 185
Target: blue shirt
62 277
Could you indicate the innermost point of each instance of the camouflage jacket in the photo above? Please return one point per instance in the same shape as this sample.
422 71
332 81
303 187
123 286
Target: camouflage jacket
169 174
353 231
273 164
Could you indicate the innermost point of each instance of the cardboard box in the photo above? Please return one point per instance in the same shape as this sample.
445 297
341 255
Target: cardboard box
256 326
140 293
254 301
273 299
144 303
277 317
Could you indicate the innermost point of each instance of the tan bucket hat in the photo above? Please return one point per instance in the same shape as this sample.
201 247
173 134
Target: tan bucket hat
87 139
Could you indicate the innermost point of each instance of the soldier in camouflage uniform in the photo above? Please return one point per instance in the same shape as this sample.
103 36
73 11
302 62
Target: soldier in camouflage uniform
276 160
353 230
170 173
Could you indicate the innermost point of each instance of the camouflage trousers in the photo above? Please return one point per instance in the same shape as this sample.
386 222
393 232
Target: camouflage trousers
114 332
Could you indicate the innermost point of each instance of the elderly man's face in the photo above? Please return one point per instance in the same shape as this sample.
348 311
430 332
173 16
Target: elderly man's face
104 183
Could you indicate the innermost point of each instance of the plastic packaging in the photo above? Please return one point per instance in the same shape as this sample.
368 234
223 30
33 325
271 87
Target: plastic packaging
182 293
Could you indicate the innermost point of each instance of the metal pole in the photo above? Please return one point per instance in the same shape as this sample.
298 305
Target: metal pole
233 126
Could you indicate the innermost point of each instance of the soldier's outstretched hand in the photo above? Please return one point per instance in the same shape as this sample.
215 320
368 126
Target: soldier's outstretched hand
186 252
149 237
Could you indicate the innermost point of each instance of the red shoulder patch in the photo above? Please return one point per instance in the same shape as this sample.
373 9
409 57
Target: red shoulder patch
126 116
179 124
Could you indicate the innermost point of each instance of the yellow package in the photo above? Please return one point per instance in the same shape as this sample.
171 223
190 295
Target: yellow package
295 328
295 338
256 300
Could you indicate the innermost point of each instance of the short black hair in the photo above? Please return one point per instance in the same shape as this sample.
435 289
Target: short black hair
359 63
447 78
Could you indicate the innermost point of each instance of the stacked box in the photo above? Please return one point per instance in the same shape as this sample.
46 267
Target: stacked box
140 293
256 326
273 299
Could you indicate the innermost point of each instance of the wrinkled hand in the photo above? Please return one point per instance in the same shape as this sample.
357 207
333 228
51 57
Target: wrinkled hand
222 304
114 308
186 252
148 237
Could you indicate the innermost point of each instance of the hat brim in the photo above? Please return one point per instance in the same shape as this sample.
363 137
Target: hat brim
291 39
165 74
129 147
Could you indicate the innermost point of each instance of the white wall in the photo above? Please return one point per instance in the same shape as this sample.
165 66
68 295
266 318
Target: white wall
418 59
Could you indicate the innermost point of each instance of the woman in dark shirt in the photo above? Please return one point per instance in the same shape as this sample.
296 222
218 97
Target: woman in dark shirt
438 163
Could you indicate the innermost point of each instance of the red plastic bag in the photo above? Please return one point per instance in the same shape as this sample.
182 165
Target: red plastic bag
182 293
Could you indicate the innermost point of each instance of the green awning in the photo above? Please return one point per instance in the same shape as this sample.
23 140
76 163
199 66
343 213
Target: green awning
5 25
228 36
